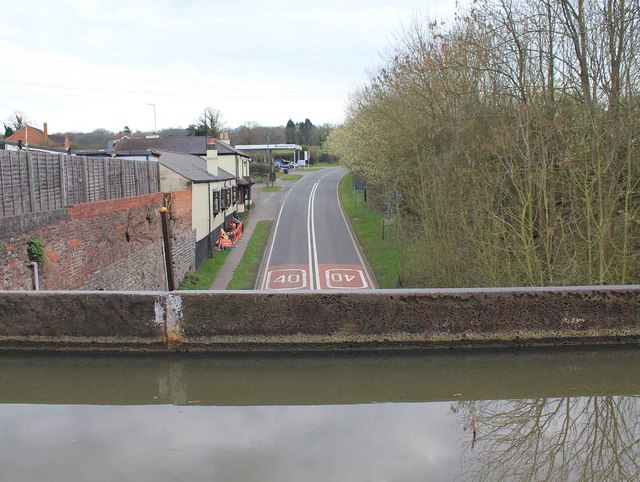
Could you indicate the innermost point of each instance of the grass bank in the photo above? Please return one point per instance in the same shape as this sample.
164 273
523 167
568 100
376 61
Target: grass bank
270 189
367 225
245 274
202 278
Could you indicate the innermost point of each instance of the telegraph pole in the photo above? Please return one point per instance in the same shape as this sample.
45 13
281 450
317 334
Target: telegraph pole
269 161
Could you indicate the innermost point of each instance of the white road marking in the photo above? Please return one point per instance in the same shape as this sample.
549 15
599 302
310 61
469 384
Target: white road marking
273 239
313 232
289 279
314 270
342 278
310 235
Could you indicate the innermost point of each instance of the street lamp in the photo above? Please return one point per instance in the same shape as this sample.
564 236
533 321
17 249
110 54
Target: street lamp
155 127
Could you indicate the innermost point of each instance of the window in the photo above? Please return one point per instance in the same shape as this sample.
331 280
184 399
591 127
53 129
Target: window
216 202
234 194
224 203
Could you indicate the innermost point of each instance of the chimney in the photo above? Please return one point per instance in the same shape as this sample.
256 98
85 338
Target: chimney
224 137
46 131
212 159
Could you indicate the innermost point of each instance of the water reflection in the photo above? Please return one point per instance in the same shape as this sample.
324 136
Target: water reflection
269 443
538 415
572 438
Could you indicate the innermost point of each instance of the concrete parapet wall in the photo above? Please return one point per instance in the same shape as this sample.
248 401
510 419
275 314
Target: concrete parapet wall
219 321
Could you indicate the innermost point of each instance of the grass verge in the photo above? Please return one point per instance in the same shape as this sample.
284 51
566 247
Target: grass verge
327 164
292 177
367 225
244 276
202 278
270 189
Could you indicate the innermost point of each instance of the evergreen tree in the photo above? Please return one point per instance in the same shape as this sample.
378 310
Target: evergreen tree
290 132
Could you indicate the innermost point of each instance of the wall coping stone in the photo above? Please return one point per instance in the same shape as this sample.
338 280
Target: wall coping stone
319 320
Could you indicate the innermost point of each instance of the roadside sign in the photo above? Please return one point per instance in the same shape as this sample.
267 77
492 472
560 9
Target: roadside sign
358 183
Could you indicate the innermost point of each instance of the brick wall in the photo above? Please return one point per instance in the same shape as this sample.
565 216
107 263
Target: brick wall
110 245
15 231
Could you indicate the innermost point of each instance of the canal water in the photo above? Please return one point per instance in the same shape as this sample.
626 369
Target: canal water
561 414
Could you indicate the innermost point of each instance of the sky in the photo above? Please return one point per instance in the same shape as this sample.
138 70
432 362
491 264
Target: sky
81 65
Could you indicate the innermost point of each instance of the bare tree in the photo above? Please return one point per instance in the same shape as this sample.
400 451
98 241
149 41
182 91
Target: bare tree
210 123
248 132
512 135
575 438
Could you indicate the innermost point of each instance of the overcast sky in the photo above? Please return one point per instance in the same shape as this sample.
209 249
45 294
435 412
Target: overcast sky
87 64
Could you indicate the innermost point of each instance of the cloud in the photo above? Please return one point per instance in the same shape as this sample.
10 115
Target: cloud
355 442
96 64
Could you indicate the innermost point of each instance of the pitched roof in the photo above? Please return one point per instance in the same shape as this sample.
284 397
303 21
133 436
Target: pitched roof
225 149
58 139
188 166
17 134
121 153
224 175
196 145
31 128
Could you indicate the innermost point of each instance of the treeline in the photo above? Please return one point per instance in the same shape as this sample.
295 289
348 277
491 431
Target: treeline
247 133
509 139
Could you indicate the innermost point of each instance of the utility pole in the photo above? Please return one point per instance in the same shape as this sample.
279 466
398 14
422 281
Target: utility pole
269 161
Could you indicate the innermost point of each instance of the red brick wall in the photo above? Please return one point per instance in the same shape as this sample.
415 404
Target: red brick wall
111 245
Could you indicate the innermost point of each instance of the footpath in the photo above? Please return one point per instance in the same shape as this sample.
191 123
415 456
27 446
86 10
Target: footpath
266 206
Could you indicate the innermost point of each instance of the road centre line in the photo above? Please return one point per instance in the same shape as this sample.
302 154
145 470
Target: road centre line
309 243
313 232
314 270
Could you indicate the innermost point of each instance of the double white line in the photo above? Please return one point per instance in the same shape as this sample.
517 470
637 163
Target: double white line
314 271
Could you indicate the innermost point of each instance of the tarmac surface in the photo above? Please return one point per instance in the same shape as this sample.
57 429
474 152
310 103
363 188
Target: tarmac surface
311 245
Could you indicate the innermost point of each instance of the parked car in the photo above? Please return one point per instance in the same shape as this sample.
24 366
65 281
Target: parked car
281 164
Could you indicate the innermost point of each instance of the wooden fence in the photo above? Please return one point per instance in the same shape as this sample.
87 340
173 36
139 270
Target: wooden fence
36 181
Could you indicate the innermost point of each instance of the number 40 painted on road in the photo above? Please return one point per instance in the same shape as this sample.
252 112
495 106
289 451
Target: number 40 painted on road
345 278
286 279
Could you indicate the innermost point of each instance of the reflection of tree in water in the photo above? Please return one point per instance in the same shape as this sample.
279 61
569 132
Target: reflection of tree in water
587 438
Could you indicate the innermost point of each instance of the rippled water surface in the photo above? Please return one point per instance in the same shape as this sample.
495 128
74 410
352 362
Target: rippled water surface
562 414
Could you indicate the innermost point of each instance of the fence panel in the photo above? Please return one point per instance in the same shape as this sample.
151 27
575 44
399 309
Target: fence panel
33 181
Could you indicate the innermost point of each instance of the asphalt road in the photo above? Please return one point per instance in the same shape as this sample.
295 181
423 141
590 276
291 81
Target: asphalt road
312 247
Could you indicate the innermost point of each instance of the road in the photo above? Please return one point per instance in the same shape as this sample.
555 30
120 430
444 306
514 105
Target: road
312 247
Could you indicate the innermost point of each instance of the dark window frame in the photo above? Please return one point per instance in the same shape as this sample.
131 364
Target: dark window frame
223 199
216 202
